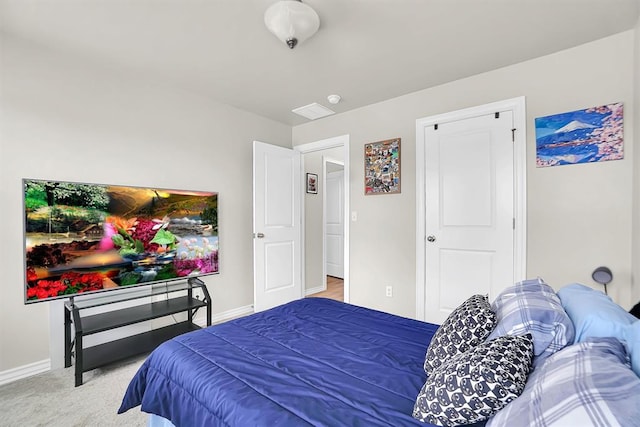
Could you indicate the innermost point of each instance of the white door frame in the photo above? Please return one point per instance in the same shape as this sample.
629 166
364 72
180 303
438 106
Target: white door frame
324 144
517 107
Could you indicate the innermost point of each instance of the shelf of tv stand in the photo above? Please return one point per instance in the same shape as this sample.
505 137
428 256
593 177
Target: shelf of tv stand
89 358
124 348
139 313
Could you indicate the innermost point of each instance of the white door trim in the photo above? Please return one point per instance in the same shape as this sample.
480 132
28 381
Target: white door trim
338 141
517 106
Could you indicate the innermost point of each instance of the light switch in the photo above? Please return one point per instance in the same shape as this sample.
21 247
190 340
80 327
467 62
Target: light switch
354 216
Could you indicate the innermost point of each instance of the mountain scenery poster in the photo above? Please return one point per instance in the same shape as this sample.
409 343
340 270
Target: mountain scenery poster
582 136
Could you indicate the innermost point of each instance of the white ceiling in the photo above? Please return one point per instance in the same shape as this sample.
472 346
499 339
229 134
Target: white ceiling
366 50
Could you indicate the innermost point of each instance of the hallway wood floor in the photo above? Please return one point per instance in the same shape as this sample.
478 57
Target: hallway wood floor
335 289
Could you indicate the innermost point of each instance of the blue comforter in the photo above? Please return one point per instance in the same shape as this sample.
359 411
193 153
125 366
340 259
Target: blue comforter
309 362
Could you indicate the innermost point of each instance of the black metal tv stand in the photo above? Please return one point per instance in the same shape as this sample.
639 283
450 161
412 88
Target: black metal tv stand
187 296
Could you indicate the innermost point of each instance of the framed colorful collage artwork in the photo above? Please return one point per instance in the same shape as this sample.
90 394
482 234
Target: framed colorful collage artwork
382 167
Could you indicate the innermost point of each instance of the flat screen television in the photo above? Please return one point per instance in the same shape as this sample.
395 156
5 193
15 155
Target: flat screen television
84 238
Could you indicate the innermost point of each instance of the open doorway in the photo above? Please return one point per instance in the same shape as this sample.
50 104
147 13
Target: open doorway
333 226
325 228
333 218
333 208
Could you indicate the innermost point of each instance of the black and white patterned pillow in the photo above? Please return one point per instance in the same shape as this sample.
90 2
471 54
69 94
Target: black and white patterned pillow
474 385
466 327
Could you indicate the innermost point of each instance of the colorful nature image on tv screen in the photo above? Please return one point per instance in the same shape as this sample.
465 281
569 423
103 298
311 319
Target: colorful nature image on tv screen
83 238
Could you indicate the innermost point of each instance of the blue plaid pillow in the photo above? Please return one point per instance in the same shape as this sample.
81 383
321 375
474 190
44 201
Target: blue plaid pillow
586 384
533 307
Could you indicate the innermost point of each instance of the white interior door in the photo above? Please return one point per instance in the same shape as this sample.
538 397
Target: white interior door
334 224
277 252
469 199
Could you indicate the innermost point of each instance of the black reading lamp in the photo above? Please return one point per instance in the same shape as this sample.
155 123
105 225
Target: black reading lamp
603 276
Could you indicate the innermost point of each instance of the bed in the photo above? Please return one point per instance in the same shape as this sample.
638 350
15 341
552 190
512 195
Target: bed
532 357
313 361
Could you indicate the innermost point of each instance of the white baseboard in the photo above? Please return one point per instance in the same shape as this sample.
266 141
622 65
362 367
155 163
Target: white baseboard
315 290
15 374
35 368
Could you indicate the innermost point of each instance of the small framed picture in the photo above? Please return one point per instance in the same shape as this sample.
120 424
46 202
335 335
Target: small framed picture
312 183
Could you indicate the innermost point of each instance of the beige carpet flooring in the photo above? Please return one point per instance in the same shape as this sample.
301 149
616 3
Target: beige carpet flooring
50 399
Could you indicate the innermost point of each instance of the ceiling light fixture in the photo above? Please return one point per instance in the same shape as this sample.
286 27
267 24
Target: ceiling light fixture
334 99
291 21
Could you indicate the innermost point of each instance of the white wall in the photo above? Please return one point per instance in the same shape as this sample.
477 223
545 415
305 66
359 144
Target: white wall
579 216
64 118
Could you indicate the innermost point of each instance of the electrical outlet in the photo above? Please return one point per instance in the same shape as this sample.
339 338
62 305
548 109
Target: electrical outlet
389 291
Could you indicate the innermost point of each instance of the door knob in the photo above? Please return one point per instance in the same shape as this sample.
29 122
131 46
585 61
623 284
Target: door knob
431 239
260 235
